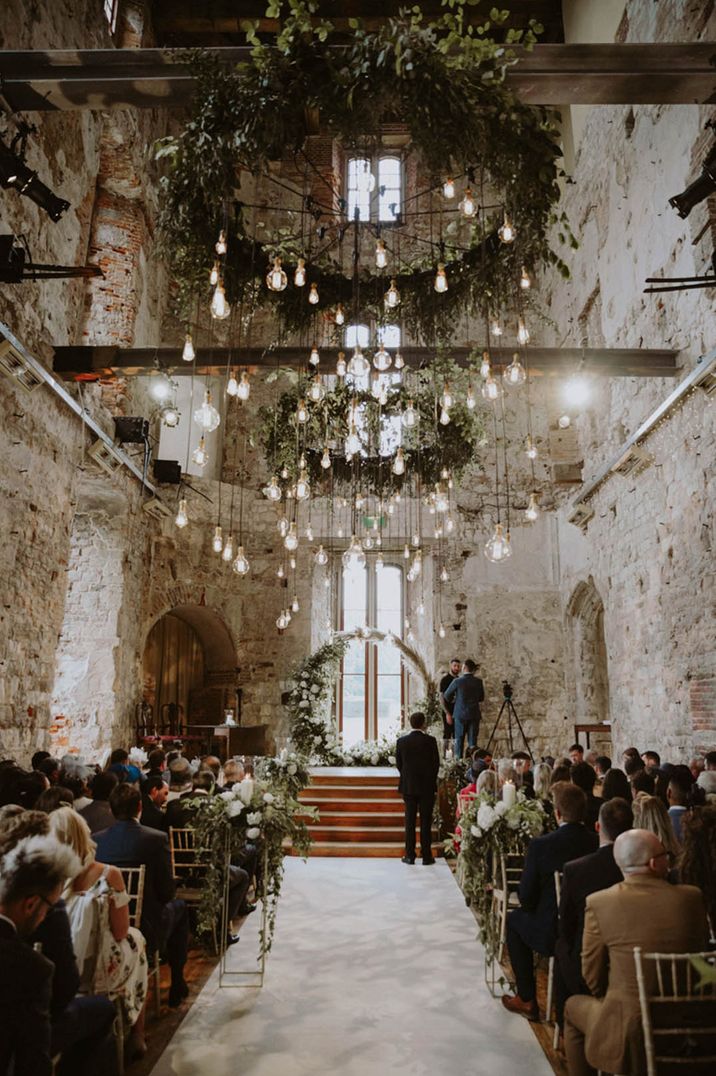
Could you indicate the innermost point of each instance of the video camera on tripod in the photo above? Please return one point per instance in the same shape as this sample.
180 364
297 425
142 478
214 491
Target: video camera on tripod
509 706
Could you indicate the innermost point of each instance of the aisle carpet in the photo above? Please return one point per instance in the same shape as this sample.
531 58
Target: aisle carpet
375 971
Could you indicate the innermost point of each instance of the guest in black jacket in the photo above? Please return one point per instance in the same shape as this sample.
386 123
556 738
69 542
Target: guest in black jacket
154 795
98 814
532 928
164 924
582 877
584 776
418 761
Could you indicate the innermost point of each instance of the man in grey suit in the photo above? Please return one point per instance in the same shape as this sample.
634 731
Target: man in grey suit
464 695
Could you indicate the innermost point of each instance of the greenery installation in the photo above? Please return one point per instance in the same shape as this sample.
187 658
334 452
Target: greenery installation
443 79
429 447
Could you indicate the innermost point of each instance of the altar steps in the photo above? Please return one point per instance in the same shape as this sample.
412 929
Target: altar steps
361 813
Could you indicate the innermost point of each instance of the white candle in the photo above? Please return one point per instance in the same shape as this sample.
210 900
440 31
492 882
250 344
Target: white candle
509 794
246 790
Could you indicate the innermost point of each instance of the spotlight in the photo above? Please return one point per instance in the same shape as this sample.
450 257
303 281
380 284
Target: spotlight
14 173
701 188
576 392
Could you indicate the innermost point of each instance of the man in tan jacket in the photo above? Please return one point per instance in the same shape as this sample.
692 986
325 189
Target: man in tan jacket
604 1031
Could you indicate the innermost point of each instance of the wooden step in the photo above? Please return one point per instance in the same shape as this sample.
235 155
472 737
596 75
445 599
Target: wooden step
341 834
355 806
347 780
374 820
341 792
377 850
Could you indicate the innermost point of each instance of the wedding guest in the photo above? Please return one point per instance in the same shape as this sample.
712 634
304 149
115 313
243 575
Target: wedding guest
591 758
602 766
31 881
233 773
543 785
576 754
560 770
53 797
156 763
616 784
110 953
165 923
651 760
585 777
51 769
180 776
697 765
633 766
180 812
697 862
37 758
679 795
447 709
629 752
605 1031
464 695
213 765
98 814
154 797
532 928
706 780
651 814
418 762
643 782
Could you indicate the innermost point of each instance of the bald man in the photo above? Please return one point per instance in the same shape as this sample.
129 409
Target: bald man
604 1031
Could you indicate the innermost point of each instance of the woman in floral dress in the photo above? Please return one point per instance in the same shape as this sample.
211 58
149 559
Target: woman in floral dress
110 953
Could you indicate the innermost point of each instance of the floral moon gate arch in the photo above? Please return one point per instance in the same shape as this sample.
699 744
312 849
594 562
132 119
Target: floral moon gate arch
309 703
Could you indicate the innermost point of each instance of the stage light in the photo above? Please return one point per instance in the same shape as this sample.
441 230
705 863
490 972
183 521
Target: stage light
16 175
700 189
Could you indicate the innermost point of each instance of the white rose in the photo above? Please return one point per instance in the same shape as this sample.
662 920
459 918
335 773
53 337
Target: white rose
236 788
374 759
501 808
234 808
315 689
513 822
292 768
253 833
391 759
485 816
304 704
253 818
226 796
476 831
268 797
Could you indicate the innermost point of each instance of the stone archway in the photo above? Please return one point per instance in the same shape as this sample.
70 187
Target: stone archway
190 667
589 672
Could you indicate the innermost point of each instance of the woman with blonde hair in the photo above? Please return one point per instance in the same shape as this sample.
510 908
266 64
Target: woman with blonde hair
651 813
110 953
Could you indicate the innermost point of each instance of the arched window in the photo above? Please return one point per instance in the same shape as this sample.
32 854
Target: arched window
374 188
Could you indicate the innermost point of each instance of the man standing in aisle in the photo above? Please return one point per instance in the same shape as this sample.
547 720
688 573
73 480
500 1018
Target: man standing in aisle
465 695
418 761
444 685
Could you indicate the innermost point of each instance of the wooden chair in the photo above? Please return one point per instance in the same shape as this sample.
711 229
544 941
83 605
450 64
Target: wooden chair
189 865
678 1016
550 972
134 884
506 883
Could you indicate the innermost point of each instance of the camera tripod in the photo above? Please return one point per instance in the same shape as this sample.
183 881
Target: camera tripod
508 707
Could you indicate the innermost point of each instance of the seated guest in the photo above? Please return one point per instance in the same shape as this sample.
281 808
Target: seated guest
233 773
697 862
643 782
707 778
80 1027
651 814
53 797
119 764
156 763
542 786
583 776
679 794
560 770
616 783
576 754
522 763
629 752
582 877
110 953
213 764
602 765
633 766
33 875
179 778
697 765
180 811
98 814
651 760
21 787
164 924
51 769
154 797
605 1031
37 758
532 928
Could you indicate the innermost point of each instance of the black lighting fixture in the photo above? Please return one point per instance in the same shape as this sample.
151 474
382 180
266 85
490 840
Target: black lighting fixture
701 188
17 265
15 174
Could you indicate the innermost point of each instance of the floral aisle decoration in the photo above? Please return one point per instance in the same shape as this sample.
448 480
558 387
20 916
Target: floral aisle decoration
263 811
490 829
309 703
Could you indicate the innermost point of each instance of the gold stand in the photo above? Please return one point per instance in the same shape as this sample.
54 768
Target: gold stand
230 977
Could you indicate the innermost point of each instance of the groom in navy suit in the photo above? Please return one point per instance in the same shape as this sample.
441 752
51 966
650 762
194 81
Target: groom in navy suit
418 761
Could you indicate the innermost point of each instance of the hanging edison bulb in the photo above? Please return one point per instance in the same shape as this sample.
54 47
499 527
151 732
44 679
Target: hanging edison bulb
391 507
506 231
382 359
301 412
291 539
399 462
200 456
514 374
309 532
341 364
441 631
170 415
368 541
498 547
381 255
530 448
441 499
241 564
417 562
448 188
392 297
379 563
339 316
525 280
217 543
353 441
325 458
207 416
358 365
280 572
376 388
316 391
299 277
406 552
221 246
449 525
303 486
321 557
564 421
243 389
181 519
444 574
188 353
294 604
441 282
354 555
522 332
444 417
272 490
468 205
220 309
491 389
284 471
495 327
232 385
485 368
276 279
410 416
281 621
282 526
313 295
446 400
227 552
399 361
532 511
470 401
314 358
365 180
214 275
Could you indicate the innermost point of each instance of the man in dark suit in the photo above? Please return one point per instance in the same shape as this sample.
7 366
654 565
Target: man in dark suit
585 777
33 875
418 762
532 928
444 685
98 814
165 923
154 795
582 877
464 695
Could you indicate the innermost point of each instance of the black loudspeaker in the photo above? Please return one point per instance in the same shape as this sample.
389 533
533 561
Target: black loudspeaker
131 430
167 471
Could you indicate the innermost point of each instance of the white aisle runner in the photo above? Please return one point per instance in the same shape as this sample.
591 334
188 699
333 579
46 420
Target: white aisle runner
375 971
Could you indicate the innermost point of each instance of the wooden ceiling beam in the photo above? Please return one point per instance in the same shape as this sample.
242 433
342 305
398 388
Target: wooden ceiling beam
99 363
611 74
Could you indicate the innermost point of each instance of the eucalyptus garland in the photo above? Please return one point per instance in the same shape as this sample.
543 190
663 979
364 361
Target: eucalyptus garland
429 447
441 78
